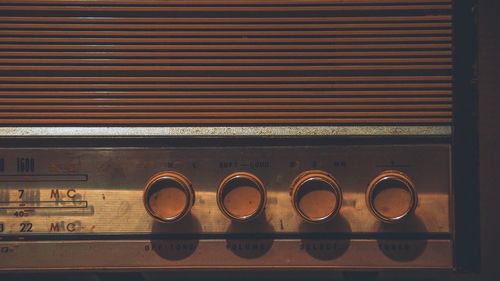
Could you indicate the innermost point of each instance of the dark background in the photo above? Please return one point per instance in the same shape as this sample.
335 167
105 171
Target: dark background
489 136
489 150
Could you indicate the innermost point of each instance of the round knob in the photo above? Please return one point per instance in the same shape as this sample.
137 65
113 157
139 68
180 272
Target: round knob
316 196
241 196
168 196
391 196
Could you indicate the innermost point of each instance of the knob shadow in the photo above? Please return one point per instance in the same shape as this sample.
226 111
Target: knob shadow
403 249
172 241
326 241
247 238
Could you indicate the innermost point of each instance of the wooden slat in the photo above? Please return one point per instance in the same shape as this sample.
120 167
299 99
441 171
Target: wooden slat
226 40
97 22
32 28
260 20
205 61
227 54
216 2
189 108
226 68
238 116
227 8
228 100
360 78
288 93
225 86
224 47
224 121
259 33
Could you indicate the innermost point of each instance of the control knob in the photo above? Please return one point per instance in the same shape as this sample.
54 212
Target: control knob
316 196
168 196
241 196
391 196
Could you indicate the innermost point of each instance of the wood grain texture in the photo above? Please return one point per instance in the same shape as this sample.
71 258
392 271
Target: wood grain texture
220 62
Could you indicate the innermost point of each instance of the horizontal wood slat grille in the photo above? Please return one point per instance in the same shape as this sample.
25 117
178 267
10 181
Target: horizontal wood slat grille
221 62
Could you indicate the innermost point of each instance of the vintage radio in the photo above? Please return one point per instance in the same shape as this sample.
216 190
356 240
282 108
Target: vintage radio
243 134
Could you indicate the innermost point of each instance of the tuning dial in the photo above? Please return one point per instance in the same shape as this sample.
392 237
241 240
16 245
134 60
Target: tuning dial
391 196
241 196
316 196
168 196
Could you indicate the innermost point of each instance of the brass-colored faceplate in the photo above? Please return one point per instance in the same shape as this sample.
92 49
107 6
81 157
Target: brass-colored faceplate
223 254
100 189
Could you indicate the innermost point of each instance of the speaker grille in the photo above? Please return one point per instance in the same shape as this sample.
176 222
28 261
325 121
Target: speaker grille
220 62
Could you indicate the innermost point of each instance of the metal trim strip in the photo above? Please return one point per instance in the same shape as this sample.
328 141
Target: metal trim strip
285 131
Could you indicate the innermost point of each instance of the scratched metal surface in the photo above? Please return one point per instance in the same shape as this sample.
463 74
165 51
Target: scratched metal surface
232 131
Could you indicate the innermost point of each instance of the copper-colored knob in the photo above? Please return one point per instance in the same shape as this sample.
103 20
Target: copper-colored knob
391 196
316 196
241 196
168 196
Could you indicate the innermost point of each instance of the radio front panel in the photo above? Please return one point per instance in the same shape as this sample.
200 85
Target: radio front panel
94 195
101 190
